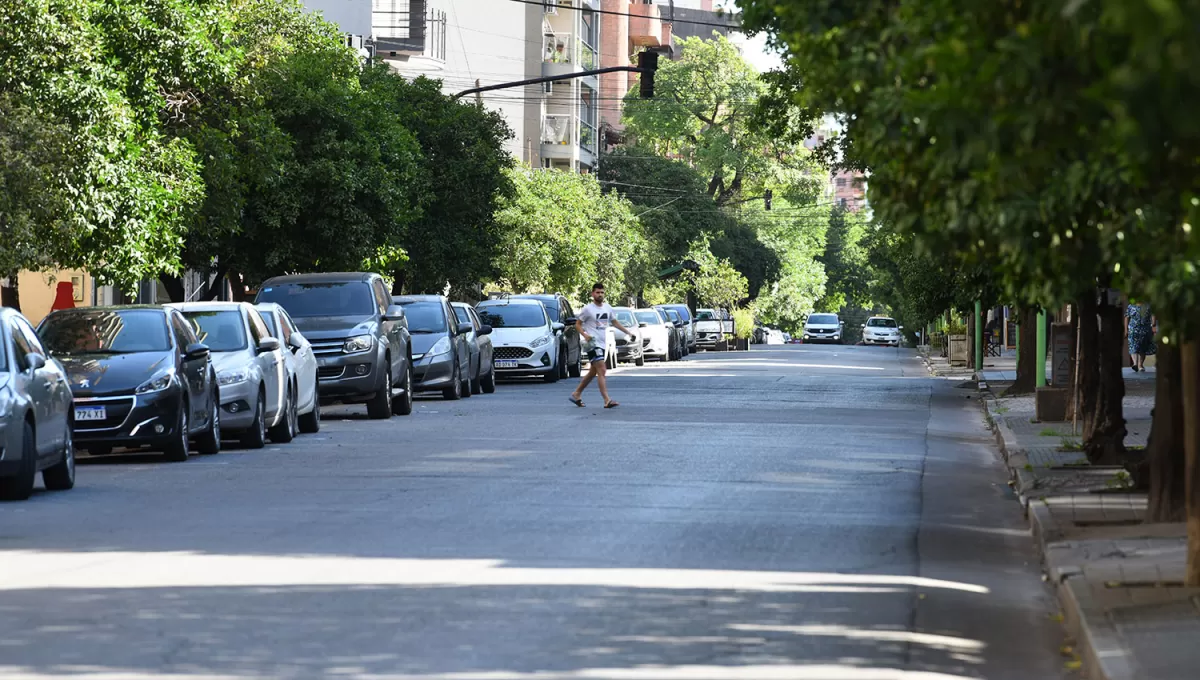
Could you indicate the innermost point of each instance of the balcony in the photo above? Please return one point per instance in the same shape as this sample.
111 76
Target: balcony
567 137
645 28
564 53
408 28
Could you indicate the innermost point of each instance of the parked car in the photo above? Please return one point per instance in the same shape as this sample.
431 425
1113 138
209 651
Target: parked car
524 339
823 328
441 357
139 377
709 323
629 348
360 338
689 321
881 330
301 365
35 413
775 337
680 331
479 341
658 334
256 397
559 309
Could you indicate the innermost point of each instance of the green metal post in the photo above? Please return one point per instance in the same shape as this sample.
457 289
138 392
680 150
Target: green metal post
1041 348
978 335
1018 343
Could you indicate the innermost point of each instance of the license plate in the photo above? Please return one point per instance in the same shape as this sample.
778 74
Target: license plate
90 413
505 363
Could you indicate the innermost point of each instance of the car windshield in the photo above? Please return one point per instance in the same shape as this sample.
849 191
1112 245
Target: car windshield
647 316
105 331
425 317
882 323
343 298
672 314
512 316
462 315
684 313
551 305
705 315
823 320
222 331
625 317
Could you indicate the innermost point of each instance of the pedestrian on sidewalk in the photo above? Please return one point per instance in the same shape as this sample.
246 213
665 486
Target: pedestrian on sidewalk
592 323
1141 327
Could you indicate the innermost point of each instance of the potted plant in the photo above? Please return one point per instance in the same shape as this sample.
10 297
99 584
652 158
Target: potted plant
743 328
956 339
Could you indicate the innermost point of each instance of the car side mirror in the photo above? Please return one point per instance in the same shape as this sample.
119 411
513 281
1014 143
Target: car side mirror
394 313
864 325
295 342
642 324
197 350
484 329
570 321
901 328
557 327
36 361
268 345
464 328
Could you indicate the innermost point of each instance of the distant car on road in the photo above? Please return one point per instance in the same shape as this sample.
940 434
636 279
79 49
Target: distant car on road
681 347
823 328
139 377
35 413
441 355
301 364
479 341
881 330
360 338
689 321
658 334
524 339
629 347
710 327
257 398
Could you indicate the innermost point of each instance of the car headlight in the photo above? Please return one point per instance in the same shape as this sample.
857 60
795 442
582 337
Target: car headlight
233 377
158 383
440 347
538 342
359 343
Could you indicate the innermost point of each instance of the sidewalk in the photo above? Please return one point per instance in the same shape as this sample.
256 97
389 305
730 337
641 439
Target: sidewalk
1119 581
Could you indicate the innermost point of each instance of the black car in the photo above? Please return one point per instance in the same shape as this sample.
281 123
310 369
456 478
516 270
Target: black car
441 357
359 336
559 309
139 378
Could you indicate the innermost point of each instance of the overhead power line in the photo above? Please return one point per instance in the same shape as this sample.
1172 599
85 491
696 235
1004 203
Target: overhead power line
550 3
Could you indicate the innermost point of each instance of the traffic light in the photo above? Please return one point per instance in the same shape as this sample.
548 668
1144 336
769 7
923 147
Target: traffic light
648 65
767 195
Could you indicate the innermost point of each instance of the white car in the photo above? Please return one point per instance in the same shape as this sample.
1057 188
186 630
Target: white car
256 399
301 364
822 328
774 336
881 330
658 334
523 337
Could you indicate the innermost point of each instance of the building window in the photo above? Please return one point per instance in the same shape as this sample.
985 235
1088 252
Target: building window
841 182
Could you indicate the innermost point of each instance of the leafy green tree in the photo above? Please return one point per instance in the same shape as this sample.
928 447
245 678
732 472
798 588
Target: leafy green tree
845 260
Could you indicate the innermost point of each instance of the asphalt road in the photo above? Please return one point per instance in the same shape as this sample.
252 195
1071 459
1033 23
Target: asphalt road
791 512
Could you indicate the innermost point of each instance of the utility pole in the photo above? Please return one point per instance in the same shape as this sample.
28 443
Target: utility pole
1040 350
978 335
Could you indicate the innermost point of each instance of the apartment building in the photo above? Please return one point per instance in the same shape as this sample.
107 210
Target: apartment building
847 188
630 27
570 108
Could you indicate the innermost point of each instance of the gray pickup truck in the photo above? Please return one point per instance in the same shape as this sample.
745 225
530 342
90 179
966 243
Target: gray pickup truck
360 338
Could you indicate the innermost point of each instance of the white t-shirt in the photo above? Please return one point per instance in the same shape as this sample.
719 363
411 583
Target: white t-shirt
595 319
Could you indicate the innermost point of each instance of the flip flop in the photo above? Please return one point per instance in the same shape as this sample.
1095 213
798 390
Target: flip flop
577 402
612 404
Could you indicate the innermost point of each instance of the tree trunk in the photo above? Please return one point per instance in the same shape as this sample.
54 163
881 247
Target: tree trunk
1027 364
218 282
1106 443
398 282
12 293
1089 366
1165 465
1190 362
174 286
238 288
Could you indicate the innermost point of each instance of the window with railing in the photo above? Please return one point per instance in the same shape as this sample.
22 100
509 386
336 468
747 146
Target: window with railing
409 26
587 56
556 48
587 137
556 129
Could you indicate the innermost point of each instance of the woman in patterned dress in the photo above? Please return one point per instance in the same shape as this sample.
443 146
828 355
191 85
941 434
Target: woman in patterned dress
1140 327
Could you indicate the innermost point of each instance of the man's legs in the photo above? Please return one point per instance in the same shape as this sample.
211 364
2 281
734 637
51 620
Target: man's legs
587 378
601 369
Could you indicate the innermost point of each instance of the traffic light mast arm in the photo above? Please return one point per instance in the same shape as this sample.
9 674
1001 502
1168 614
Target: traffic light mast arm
549 79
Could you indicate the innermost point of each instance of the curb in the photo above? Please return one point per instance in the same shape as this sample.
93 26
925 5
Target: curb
1100 648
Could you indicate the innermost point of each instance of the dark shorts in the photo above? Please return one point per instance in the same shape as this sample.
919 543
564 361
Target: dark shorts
596 354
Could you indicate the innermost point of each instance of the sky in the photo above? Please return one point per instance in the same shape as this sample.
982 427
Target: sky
754 49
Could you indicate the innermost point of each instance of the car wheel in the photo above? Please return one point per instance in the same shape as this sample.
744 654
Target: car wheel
489 382
454 391
210 442
564 356
20 486
177 450
576 369
640 360
402 405
477 381
285 430
553 376
256 436
61 475
310 422
380 406
465 387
